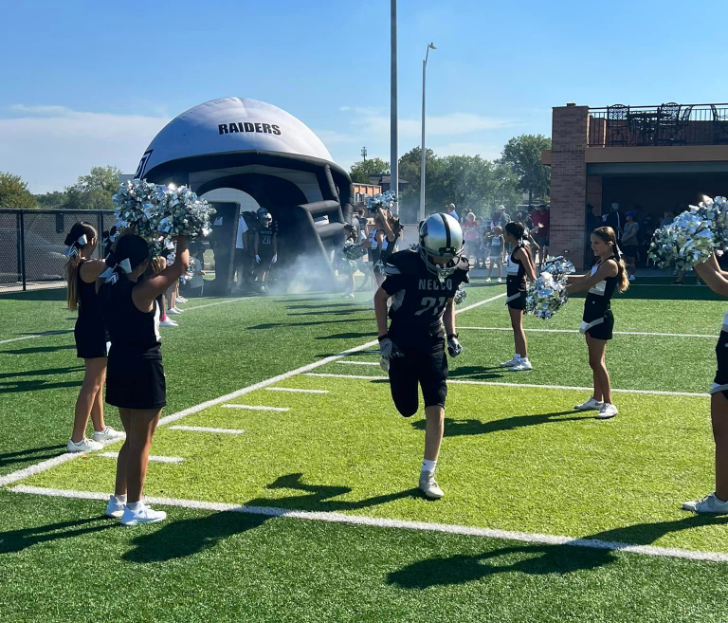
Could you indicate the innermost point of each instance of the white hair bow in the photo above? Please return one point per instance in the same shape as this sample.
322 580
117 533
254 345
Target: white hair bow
72 251
110 274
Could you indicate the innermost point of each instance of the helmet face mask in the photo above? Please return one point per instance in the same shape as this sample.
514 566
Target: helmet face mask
265 217
441 237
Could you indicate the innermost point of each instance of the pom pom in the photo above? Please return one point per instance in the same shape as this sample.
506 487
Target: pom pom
387 200
688 240
460 295
546 296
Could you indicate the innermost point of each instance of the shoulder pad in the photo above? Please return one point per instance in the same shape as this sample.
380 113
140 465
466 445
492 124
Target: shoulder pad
402 263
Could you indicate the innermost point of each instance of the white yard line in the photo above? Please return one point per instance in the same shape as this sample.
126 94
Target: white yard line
206 429
153 459
358 520
508 329
63 458
35 335
295 390
257 408
648 392
225 302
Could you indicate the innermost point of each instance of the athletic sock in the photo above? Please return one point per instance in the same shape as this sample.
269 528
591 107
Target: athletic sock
428 466
121 499
134 506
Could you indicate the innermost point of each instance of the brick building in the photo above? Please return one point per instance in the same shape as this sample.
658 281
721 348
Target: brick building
656 159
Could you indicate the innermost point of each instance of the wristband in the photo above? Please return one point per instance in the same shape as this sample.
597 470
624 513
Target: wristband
383 337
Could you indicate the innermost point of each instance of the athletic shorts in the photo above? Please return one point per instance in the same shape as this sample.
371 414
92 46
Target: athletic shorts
136 381
422 366
517 300
720 382
90 339
602 330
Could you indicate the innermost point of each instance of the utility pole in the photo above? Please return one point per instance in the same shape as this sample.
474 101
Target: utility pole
394 160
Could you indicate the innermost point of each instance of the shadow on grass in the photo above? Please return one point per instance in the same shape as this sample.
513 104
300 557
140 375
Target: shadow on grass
11 387
14 541
47 371
51 294
458 428
321 306
31 454
478 372
347 336
331 312
280 325
540 559
38 349
184 538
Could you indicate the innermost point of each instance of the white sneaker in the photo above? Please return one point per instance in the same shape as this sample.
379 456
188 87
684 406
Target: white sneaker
173 311
499 280
523 365
115 508
429 487
488 280
142 515
607 411
632 277
509 364
168 323
85 445
709 504
348 296
106 434
590 405
181 299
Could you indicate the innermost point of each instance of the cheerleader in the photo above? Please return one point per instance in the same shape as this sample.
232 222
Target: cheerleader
90 335
607 275
135 381
519 266
387 232
717 502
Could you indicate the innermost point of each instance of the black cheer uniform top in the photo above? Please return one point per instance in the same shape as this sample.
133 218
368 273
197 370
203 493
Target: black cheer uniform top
419 297
515 277
598 300
90 331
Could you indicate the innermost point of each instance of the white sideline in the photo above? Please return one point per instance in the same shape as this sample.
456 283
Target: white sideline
257 408
358 520
649 392
153 459
296 390
358 363
700 335
225 302
63 458
205 429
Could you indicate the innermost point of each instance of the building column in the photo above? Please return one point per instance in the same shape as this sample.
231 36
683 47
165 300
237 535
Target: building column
594 193
568 182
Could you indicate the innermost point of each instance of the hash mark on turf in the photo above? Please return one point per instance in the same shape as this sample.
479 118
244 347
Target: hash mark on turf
296 390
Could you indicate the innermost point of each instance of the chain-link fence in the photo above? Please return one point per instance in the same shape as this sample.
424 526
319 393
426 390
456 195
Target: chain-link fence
32 245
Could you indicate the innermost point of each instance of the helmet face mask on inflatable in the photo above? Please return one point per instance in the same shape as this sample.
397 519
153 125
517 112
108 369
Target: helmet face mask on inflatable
265 218
441 244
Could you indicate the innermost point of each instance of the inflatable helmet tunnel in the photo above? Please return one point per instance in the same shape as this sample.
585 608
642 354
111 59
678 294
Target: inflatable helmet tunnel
267 153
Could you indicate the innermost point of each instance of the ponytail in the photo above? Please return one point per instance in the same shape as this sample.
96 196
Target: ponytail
80 236
607 235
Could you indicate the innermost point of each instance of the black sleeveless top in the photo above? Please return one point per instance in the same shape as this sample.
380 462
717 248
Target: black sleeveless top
599 298
515 274
90 317
133 333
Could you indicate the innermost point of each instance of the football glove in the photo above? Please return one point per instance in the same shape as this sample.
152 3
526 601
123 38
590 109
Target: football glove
257 259
454 347
275 259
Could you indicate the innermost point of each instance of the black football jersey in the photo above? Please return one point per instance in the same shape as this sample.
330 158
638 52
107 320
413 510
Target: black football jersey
265 236
419 297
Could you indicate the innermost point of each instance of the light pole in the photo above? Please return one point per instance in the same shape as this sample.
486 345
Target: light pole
422 148
394 161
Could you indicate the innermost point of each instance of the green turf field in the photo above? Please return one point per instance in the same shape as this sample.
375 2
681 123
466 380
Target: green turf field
516 458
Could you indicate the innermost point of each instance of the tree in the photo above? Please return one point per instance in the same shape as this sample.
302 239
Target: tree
93 191
360 171
14 193
523 154
52 200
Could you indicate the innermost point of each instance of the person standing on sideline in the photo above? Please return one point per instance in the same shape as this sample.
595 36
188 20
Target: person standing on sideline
499 218
422 285
607 275
242 255
266 246
615 220
471 232
135 382
630 243
717 502
450 209
541 230
497 253
520 265
91 338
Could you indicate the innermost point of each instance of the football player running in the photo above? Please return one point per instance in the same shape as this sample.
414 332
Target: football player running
422 284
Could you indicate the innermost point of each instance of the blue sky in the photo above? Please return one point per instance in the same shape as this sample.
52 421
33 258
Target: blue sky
89 83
